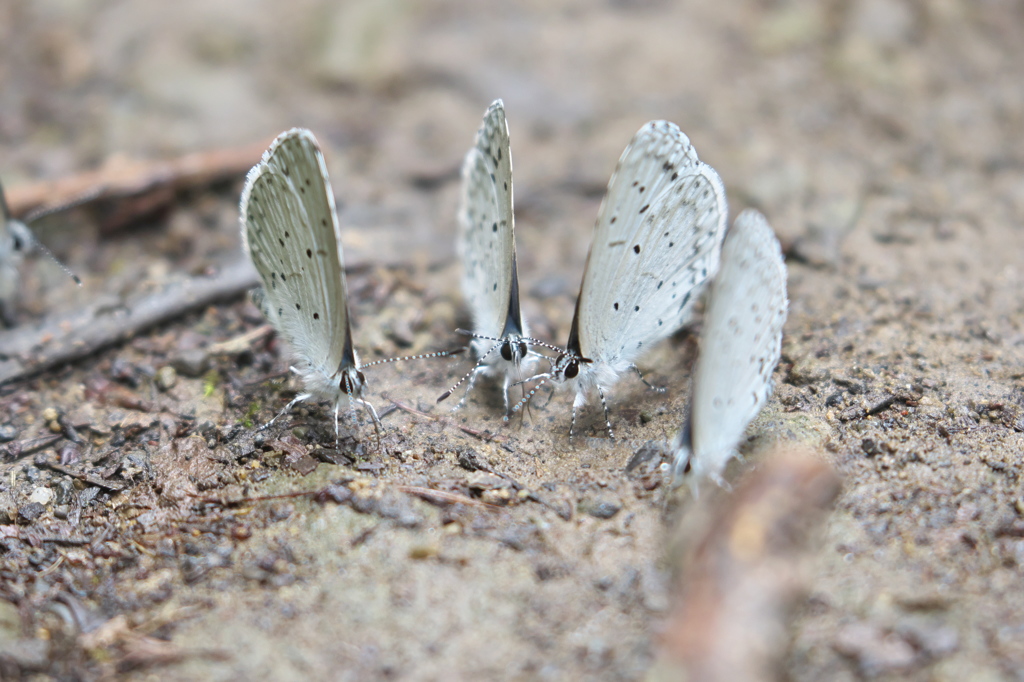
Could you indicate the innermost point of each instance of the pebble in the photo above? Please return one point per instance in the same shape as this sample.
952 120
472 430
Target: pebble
31 511
166 378
806 371
191 363
42 495
601 508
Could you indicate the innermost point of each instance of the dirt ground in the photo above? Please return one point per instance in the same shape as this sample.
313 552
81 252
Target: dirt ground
159 537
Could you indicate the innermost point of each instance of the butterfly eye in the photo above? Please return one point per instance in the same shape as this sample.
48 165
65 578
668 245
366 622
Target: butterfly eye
506 351
572 369
522 349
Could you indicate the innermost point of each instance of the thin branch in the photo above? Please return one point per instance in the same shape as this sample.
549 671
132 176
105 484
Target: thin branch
432 495
29 349
148 184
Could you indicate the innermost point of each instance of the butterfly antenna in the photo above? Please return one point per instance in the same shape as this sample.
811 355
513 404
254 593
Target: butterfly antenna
421 356
526 339
44 211
74 202
60 264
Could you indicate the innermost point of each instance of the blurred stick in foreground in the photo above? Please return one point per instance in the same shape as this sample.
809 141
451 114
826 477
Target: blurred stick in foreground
743 570
133 187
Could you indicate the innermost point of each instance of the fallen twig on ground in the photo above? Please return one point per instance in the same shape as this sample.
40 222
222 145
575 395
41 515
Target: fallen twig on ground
28 349
140 186
745 569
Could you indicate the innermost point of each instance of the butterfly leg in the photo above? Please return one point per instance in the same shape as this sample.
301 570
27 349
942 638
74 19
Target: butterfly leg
337 435
297 399
373 416
659 389
472 382
607 416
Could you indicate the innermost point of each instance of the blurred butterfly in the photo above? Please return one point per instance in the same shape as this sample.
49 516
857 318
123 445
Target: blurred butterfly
741 343
16 240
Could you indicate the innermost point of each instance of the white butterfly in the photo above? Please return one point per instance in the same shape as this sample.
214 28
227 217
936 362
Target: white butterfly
487 248
290 230
15 240
740 346
658 239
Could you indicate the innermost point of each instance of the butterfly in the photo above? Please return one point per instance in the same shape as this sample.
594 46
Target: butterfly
487 249
741 343
15 240
657 241
290 231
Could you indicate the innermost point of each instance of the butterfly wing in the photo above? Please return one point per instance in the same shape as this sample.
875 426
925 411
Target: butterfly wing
290 230
741 343
486 240
658 238
15 240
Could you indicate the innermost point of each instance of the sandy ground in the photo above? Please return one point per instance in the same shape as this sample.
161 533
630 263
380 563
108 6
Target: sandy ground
883 140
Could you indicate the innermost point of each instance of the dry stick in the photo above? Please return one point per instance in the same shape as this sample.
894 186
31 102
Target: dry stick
745 566
482 435
86 478
426 493
29 349
120 177
432 495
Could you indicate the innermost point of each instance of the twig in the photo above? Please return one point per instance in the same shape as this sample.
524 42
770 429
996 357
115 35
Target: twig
745 566
151 184
482 435
242 343
432 495
23 448
30 349
91 480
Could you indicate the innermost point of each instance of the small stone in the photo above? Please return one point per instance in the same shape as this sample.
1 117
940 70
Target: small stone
31 511
191 363
166 378
42 495
875 651
600 508
934 638
7 433
425 551
805 372
50 414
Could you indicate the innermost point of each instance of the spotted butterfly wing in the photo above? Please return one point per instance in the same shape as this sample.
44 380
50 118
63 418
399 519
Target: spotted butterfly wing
291 232
486 242
487 249
740 346
657 240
